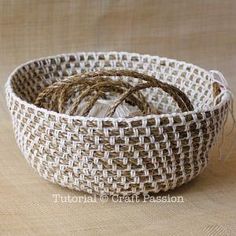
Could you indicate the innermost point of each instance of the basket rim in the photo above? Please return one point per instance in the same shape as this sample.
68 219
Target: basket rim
226 93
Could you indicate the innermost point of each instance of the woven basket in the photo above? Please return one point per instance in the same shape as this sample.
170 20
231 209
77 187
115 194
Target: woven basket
119 155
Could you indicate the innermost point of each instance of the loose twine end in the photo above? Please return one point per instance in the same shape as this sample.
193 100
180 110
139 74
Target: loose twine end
221 156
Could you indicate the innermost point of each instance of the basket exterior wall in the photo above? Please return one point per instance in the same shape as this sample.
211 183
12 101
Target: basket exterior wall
102 156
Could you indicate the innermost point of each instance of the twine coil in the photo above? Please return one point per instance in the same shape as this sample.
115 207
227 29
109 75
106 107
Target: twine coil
182 114
95 85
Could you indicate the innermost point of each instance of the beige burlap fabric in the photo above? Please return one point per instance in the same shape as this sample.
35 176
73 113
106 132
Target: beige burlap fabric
201 32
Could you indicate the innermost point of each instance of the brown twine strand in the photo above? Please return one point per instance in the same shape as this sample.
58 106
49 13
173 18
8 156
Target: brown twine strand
216 92
222 138
91 86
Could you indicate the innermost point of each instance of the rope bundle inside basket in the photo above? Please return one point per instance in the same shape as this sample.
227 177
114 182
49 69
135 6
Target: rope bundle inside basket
89 87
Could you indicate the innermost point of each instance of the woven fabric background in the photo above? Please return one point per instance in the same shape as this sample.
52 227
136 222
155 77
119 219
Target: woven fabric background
201 32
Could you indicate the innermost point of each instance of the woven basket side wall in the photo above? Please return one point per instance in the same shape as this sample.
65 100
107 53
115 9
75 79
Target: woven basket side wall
102 156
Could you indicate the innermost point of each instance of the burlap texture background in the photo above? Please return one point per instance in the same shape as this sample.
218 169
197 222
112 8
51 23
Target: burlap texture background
198 31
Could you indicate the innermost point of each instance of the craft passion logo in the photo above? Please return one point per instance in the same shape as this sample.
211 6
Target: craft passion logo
68 199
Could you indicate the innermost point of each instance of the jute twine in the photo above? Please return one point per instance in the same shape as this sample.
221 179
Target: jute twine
114 156
95 85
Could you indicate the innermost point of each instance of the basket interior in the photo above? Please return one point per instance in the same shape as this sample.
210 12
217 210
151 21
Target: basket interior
195 82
